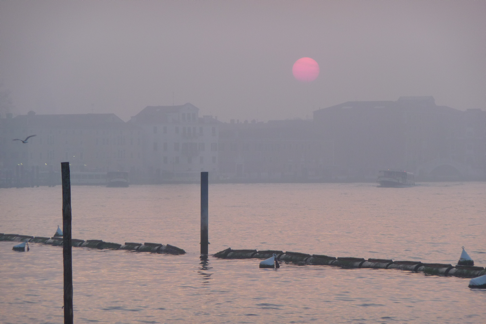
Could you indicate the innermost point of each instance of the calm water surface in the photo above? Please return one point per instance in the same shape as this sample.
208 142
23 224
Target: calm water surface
429 223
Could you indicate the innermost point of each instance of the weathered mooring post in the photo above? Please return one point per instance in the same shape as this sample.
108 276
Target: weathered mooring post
204 213
67 247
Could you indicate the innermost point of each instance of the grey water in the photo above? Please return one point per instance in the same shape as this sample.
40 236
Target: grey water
429 223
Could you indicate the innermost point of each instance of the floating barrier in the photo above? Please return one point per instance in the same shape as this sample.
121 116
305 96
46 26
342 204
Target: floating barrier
405 265
170 249
294 257
317 259
76 242
267 254
376 263
95 244
109 246
349 263
236 254
91 244
9 237
466 271
149 247
22 238
223 254
130 246
56 241
437 269
241 254
40 239
298 258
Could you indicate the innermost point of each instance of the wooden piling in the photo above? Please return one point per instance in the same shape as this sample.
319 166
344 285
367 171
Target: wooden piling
67 248
204 213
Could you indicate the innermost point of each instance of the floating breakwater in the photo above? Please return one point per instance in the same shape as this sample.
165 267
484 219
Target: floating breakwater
298 258
96 244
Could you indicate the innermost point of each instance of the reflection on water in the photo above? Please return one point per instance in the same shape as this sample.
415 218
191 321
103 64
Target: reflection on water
429 223
205 269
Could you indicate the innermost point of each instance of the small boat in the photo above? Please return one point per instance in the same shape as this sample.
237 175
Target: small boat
395 179
465 259
117 179
58 232
22 247
270 262
88 178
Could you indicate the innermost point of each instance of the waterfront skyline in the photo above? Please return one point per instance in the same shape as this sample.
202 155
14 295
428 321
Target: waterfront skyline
346 142
234 60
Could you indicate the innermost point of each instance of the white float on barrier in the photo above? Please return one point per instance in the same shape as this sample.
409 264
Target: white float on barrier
270 262
58 232
22 247
479 282
465 259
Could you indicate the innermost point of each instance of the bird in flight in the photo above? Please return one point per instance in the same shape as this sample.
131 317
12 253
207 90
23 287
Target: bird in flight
25 140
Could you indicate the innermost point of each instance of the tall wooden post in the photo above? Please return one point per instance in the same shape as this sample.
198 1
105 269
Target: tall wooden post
67 247
204 213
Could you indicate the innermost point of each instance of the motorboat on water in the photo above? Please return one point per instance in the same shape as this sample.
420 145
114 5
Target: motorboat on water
117 179
395 179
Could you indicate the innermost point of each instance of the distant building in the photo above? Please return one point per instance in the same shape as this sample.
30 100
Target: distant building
90 142
287 150
177 143
354 140
351 141
412 134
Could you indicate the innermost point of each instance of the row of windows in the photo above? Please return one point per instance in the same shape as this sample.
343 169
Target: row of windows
70 156
50 140
72 131
190 160
117 141
190 117
49 155
186 147
272 146
187 131
119 154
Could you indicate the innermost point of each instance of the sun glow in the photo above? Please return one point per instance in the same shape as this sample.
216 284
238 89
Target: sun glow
305 69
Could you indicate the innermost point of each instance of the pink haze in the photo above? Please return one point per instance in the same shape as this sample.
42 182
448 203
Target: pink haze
305 69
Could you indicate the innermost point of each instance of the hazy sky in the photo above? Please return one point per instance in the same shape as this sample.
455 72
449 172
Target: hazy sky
233 59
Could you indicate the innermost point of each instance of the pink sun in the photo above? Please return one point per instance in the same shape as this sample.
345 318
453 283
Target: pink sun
305 69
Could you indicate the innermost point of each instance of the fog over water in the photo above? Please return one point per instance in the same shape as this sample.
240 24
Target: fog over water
169 89
234 59
427 223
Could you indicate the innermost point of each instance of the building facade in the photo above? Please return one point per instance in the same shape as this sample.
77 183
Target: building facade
275 151
351 141
90 142
177 143
411 134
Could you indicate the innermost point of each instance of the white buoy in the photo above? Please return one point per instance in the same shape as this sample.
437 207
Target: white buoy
478 282
465 259
58 232
22 247
270 262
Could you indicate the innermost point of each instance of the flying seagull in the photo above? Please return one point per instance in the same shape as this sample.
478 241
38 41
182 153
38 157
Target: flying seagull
25 140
